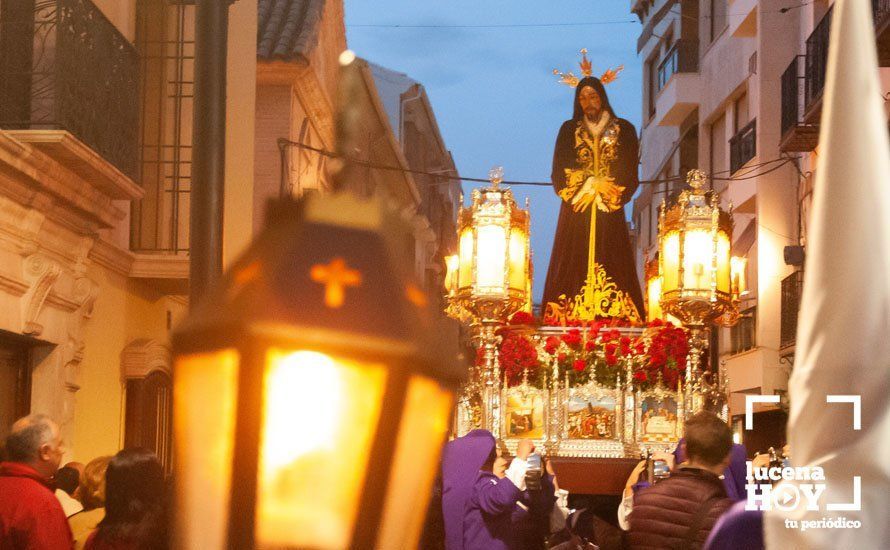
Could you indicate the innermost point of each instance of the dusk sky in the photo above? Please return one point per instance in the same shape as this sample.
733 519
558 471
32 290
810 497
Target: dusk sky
491 85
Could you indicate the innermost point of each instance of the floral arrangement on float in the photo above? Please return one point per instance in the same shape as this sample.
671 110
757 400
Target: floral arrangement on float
596 351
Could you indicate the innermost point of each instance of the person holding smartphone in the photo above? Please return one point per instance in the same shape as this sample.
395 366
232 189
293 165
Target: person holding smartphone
485 501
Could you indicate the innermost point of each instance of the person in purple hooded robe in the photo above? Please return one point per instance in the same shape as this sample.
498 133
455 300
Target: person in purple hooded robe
481 510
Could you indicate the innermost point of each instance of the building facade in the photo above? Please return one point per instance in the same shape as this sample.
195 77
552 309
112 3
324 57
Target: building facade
96 117
412 118
298 45
733 87
95 143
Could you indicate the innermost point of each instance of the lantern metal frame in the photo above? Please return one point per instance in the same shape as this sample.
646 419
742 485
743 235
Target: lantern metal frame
492 206
269 300
698 209
486 308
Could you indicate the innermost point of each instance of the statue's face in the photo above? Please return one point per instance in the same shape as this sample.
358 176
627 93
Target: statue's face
591 103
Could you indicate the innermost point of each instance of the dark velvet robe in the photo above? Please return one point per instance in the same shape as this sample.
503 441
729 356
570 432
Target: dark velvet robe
568 261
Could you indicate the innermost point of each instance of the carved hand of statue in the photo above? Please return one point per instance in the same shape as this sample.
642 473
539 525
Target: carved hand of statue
609 195
585 196
604 191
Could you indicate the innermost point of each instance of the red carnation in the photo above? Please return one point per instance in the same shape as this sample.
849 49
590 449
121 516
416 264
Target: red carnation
522 318
572 338
551 345
579 365
610 349
590 345
640 376
561 357
611 360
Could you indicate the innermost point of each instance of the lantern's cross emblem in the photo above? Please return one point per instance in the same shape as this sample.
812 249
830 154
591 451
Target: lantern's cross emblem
335 276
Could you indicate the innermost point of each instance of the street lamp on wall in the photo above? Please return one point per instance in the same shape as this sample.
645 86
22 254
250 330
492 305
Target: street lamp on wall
312 390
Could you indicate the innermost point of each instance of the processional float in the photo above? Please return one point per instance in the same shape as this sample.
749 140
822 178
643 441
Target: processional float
580 385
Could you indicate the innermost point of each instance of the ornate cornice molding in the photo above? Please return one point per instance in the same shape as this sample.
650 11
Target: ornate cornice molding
72 187
112 257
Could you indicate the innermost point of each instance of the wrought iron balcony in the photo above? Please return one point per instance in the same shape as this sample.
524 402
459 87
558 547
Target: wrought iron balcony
797 135
816 65
743 146
64 66
681 58
792 286
742 334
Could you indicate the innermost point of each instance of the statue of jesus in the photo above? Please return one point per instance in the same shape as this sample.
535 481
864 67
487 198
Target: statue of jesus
592 273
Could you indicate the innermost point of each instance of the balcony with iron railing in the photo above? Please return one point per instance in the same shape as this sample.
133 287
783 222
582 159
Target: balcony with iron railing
797 135
816 64
742 334
803 82
743 146
676 85
66 70
682 57
159 223
792 286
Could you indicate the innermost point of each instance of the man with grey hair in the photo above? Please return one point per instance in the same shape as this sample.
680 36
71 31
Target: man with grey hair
31 517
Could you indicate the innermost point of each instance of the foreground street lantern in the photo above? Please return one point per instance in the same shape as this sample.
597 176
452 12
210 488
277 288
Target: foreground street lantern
313 389
695 268
489 279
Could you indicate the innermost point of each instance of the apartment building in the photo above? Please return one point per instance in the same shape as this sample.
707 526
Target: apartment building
733 87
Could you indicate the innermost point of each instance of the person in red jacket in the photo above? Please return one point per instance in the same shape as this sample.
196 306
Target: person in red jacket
31 517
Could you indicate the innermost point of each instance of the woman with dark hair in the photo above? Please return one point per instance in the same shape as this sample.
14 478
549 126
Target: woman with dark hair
135 504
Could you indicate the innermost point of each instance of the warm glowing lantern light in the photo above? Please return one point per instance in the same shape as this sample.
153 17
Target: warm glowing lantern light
494 264
312 390
695 272
739 266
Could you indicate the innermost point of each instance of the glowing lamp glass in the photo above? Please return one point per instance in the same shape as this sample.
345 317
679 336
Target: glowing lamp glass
724 267
319 419
452 266
670 258
698 251
739 267
205 387
491 258
653 295
518 260
466 251
422 432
